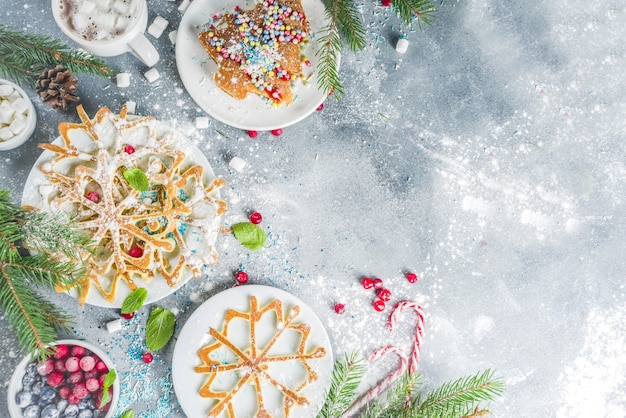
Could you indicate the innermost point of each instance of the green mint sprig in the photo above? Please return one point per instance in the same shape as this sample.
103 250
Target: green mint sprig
137 179
109 379
134 301
251 236
159 328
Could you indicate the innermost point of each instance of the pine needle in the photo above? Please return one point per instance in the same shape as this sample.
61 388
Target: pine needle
35 320
411 10
23 56
347 375
460 397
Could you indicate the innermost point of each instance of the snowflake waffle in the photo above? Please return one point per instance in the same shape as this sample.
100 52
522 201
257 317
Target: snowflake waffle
269 361
162 231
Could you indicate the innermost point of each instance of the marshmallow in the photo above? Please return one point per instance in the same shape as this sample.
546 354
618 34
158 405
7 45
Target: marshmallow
237 164
123 79
20 105
87 7
155 31
120 7
5 90
6 133
114 326
18 124
183 6
152 75
402 45
202 122
172 36
130 107
6 114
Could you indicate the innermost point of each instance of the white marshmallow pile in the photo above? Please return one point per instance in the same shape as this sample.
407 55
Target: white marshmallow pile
13 112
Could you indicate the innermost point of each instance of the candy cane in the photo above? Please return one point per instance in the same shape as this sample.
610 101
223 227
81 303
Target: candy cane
383 384
419 329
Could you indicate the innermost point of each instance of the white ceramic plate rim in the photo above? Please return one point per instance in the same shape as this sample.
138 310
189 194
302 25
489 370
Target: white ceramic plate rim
15 384
196 71
194 335
157 287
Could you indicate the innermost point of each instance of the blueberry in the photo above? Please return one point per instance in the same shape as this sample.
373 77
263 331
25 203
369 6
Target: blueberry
61 405
86 403
85 413
29 379
98 413
31 369
50 411
71 411
47 394
23 399
36 389
31 412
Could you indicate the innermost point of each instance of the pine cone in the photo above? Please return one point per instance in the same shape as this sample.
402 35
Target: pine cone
57 87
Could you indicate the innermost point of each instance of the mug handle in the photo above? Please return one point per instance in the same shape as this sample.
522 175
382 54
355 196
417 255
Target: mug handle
141 47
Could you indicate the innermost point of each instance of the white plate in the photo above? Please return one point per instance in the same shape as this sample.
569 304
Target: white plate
210 314
196 70
157 287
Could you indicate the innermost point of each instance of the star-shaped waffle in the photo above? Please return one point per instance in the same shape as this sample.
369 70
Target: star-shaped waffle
258 50
252 362
137 233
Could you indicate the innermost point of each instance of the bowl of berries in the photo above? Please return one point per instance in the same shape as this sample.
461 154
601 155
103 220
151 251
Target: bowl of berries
78 380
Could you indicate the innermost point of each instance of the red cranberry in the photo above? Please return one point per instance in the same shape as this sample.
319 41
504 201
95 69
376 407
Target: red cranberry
253 134
72 364
59 365
87 363
256 218
45 367
94 197
65 391
147 358
386 3
78 351
367 283
80 391
55 378
411 277
320 107
101 379
76 377
92 385
129 316
340 308
129 149
101 367
379 305
91 374
135 252
378 283
61 351
384 294
242 277
277 132
72 399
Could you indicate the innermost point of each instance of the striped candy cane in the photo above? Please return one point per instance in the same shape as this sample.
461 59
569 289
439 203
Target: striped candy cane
419 329
383 384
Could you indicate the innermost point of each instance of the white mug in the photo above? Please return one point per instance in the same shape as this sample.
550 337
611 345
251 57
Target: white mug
132 39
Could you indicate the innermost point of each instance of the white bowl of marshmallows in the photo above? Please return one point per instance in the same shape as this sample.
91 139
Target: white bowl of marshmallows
17 116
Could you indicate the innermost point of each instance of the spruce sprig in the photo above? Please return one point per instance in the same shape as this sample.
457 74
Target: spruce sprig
415 10
460 398
24 55
347 374
35 320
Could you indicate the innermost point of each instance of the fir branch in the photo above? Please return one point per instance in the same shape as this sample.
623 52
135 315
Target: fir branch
460 397
410 10
398 398
35 320
350 24
347 375
329 52
23 56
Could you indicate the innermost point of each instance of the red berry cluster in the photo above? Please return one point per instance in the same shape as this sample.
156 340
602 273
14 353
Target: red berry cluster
383 294
74 373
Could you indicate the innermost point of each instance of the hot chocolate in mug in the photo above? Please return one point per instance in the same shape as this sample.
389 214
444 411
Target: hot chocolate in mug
107 27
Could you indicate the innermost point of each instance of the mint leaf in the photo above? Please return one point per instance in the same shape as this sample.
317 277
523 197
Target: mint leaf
134 301
250 235
159 328
137 179
128 414
106 384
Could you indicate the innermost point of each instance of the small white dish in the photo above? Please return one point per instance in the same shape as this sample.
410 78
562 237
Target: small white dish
31 120
211 314
15 384
196 70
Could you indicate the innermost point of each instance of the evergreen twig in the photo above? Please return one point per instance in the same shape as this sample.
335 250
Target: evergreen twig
35 321
415 10
347 375
23 56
